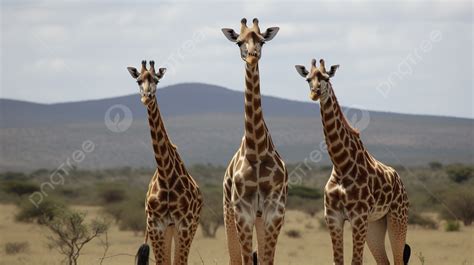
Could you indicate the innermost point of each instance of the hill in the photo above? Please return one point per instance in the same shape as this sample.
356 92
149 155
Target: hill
206 122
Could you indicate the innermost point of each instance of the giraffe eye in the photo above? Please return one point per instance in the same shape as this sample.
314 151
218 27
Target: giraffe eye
139 82
239 43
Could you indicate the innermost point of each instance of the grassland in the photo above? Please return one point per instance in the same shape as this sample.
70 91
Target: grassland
313 247
432 190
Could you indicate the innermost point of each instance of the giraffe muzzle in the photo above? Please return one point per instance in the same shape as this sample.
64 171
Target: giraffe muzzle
251 59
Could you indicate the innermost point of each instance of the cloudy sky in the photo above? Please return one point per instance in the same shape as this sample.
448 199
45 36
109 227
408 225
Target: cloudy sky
409 57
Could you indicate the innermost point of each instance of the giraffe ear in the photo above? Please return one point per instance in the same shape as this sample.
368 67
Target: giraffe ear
230 34
161 72
301 70
270 33
332 72
133 72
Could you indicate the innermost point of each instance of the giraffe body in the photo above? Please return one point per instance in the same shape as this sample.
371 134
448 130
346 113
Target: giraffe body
361 190
255 182
173 201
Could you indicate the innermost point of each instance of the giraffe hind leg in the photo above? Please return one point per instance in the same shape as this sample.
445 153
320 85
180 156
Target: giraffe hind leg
232 236
397 229
376 240
268 230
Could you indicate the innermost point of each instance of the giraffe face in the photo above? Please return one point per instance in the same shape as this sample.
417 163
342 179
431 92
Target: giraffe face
250 40
147 80
317 78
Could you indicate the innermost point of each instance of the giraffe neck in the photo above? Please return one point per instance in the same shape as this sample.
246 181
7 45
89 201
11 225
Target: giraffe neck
256 138
162 146
341 138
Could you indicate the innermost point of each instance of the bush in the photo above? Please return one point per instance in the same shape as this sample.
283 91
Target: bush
134 220
415 218
212 213
293 233
129 215
113 194
459 173
308 206
12 248
460 203
452 226
20 187
305 192
46 211
435 165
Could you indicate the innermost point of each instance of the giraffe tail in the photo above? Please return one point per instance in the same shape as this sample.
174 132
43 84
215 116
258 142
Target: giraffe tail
406 254
143 253
255 258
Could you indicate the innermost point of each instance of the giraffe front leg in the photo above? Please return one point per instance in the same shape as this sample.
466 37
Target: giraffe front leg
244 224
160 237
359 223
335 224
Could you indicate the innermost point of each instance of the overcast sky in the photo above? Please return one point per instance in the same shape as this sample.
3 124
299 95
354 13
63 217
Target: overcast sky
409 57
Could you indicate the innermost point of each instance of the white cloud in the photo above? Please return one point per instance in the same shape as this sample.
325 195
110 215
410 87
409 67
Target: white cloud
91 43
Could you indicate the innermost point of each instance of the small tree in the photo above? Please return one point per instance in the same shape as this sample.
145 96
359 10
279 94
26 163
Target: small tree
41 214
69 234
460 204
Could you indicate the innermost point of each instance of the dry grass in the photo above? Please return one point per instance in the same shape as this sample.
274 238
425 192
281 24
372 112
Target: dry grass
437 246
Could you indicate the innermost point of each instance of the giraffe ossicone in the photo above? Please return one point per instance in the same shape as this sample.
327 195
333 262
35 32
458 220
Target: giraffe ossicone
361 189
173 202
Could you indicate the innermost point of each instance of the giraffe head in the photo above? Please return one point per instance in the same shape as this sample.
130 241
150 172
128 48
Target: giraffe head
317 78
250 40
147 80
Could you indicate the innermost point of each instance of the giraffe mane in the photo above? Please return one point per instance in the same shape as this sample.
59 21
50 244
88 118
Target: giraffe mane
346 123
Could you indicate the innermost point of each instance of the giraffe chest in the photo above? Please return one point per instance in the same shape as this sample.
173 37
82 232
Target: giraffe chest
172 198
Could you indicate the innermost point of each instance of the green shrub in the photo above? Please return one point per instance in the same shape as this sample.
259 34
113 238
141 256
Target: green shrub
308 206
46 211
459 204
113 194
415 218
134 220
459 173
212 216
452 226
435 165
305 192
12 248
20 187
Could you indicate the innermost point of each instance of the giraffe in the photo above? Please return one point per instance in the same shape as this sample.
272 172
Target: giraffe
255 182
361 190
173 201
